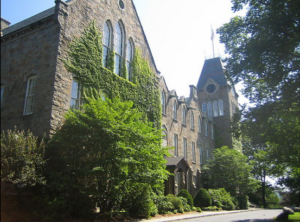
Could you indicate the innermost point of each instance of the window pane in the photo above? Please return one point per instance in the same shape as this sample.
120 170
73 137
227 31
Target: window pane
215 108
204 107
209 109
29 98
221 111
119 39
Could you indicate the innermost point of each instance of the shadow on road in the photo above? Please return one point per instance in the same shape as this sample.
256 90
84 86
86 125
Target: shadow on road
255 220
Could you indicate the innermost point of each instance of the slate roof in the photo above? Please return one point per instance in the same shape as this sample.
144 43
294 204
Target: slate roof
29 21
212 68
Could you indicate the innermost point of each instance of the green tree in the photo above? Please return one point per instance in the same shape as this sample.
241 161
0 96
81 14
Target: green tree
106 151
184 193
264 49
229 169
22 158
202 198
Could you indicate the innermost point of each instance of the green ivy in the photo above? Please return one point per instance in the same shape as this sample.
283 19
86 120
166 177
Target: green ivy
85 61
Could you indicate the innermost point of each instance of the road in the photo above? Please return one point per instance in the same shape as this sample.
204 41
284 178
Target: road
250 216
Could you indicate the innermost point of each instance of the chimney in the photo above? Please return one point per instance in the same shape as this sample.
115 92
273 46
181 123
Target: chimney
4 23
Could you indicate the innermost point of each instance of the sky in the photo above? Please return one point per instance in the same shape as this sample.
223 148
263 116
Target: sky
179 33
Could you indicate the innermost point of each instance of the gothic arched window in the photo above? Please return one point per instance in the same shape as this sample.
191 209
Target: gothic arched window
221 109
209 109
203 107
129 58
183 115
215 108
106 40
119 44
163 102
175 110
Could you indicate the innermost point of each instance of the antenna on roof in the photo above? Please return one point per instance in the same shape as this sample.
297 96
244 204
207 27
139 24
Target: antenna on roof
212 40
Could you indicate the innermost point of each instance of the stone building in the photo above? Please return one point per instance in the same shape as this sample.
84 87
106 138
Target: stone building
36 89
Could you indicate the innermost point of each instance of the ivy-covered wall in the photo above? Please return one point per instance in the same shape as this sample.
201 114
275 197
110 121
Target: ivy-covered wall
84 60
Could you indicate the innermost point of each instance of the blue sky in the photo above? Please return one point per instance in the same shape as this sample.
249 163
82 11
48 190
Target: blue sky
179 33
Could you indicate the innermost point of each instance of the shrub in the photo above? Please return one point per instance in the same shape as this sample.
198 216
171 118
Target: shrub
177 203
198 209
186 206
184 193
163 205
222 198
242 201
202 199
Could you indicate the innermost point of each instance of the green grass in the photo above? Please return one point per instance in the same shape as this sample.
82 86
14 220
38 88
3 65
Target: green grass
294 217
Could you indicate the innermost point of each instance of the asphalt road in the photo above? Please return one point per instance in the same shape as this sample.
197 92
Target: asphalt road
250 216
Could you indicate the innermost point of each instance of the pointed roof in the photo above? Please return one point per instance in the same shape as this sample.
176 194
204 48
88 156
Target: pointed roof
213 69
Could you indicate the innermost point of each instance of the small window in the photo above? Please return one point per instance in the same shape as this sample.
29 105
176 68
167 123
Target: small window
199 124
175 143
2 92
221 109
206 128
163 102
203 107
119 44
192 120
183 115
207 154
193 152
215 108
209 109
107 34
185 148
129 59
30 94
75 95
175 110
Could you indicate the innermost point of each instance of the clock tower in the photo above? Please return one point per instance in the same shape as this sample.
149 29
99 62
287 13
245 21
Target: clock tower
217 100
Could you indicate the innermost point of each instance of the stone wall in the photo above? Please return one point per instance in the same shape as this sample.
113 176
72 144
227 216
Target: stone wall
24 53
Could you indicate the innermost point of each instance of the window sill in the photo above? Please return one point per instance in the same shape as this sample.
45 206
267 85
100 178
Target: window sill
175 120
183 125
194 162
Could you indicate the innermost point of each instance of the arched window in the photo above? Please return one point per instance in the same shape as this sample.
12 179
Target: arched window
129 58
75 95
107 34
193 152
175 110
163 102
192 120
199 124
206 128
203 107
209 109
183 115
221 109
30 94
215 108
119 44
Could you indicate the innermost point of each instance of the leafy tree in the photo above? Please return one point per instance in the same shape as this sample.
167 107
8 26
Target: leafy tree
264 49
202 199
223 197
106 151
229 169
22 158
184 193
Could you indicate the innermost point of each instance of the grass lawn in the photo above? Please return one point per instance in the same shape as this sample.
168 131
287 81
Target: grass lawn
294 217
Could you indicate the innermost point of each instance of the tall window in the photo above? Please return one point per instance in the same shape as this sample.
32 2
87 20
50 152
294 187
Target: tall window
221 109
183 115
165 136
206 128
215 108
107 33
203 107
193 152
75 95
207 154
209 109
119 41
30 94
199 124
176 144
129 58
2 92
174 110
185 148
201 155
163 102
192 120
212 131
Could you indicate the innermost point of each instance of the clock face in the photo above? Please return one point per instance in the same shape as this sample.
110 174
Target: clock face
210 88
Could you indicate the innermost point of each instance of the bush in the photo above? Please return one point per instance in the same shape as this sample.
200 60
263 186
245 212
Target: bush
202 199
184 193
222 198
177 203
163 205
186 206
242 201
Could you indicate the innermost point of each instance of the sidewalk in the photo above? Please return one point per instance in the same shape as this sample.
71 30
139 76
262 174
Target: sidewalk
195 215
